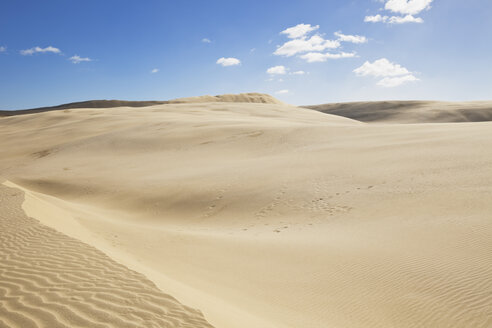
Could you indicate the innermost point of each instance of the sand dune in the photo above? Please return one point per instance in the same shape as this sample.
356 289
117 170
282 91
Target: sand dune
251 97
243 97
50 280
268 215
411 111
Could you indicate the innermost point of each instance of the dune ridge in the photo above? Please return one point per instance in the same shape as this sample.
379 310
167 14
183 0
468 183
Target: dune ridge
410 111
50 280
251 97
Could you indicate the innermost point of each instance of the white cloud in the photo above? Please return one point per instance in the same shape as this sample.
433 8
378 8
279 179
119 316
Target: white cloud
282 92
350 38
411 7
381 67
407 9
277 70
299 30
77 59
228 61
314 43
311 48
155 70
3 49
39 49
205 40
298 73
391 82
393 19
375 19
314 57
393 74
405 19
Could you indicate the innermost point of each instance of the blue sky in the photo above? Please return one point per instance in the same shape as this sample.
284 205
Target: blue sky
58 51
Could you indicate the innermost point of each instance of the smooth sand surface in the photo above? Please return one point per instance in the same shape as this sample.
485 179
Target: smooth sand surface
268 215
411 111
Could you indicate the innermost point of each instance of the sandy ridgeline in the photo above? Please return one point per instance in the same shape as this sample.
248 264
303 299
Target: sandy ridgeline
257 214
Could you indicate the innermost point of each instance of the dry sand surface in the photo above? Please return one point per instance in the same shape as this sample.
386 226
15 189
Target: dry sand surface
411 111
50 280
258 215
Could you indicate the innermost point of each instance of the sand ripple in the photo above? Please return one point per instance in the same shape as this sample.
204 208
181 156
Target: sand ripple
48 279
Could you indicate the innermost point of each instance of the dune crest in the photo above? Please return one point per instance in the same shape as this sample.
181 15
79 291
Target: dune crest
235 98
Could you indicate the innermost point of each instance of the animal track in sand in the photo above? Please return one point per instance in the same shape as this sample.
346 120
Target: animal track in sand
48 279
213 208
270 207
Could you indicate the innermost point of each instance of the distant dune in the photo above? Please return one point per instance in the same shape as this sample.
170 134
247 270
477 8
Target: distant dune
238 98
411 111
259 215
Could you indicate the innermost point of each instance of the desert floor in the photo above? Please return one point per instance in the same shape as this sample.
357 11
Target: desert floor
258 214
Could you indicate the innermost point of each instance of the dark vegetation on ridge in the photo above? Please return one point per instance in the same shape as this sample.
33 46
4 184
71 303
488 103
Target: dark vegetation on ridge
84 104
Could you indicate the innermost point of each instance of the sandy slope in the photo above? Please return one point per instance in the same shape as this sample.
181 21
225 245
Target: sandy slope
411 111
266 215
50 280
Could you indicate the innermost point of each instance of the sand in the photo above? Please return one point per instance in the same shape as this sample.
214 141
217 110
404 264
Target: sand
269 215
411 111
48 279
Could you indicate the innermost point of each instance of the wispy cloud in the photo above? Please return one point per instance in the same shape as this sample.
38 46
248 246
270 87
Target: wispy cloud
155 70
380 67
350 38
314 57
205 40
77 59
406 8
391 82
277 70
411 7
393 19
231 61
393 74
40 50
298 73
312 48
3 49
314 43
282 92
299 30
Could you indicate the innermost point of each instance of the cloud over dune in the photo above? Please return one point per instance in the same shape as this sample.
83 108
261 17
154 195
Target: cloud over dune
393 74
312 48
